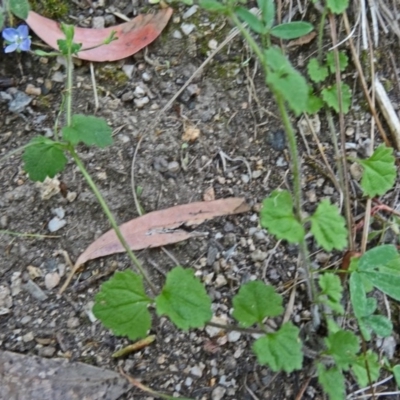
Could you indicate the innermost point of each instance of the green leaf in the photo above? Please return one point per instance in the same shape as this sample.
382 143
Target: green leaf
316 71
381 325
67 46
330 96
329 227
332 381
330 61
337 6
277 216
43 157
377 257
280 350
251 20
89 130
314 104
343 347
385 280
360 370
282 78
212 5
379 172
254 302
184 300
331 288
396 373
121 305
359 302
19 8
267 8
291 30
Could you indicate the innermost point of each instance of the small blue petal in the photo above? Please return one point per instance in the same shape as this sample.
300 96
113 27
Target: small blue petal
10 48
23 31
25 45
10 34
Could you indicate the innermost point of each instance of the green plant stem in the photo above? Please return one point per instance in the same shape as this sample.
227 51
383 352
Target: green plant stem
110 217
321 33
290 134
68 94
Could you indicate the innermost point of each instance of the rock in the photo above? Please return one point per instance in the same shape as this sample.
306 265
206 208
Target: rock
51 280
146 77
98 22
197 370
212 44
5 300
139 92
258 255
28 337
16 283
187 29
191 11
32 90
234 336
173 166
140 103
58 77
19 102
218 393
34 290
56 223
256 174
128 70
356 171
245 178
47 351
4 221
220 281
213 331
177 34
73 323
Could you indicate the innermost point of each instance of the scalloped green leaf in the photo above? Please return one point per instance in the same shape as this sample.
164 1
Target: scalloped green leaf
329 227
379 172
121 305
43 157
184 300
256 301
330 97
332 381
88 129
20 8
331 291
281 350
343 346
278 217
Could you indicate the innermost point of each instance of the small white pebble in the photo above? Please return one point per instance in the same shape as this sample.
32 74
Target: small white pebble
187 29
56 223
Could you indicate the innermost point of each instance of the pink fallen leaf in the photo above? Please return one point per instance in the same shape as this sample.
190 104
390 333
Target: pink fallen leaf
132 36
159 228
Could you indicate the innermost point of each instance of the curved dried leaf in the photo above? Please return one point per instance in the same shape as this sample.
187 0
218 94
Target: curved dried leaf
132 36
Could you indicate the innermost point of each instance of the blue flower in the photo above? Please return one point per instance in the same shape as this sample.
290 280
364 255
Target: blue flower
17 39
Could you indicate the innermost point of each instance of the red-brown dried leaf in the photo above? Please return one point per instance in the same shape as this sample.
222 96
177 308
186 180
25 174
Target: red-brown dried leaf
132 36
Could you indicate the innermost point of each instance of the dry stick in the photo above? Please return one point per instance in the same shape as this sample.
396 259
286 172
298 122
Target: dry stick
357 64
343 161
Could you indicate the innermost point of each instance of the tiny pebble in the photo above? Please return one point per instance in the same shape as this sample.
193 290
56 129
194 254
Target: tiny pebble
212 44
188 381
256 174
234 336
16 283
187 29
34 290
127 96
73 323
128 70
245 178
197 371
5 300
28 337
56 223
98 22
140 103
58 212
191 11
146 77
47 351
220 281
25 320
280 162
350 131
33 90
218 393
177 34
139 92
356 171
51 280
19 102
173 166
58 77
258 255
